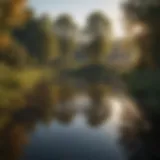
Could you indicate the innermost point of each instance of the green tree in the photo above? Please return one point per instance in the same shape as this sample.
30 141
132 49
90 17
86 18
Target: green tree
98 24
49 44
38 37
15 55
66 29
145 15
98 27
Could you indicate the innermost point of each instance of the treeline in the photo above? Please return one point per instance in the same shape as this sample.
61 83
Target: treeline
43 40
56 41
29 39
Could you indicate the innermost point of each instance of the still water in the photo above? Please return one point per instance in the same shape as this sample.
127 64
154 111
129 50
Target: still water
81 132
72 142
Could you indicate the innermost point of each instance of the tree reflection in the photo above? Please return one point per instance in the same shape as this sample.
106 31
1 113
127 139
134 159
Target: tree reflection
41 107
99 110
14 134
133 125
65 113
14 137
97 115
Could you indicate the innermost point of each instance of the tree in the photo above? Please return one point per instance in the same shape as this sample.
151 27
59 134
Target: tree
15 55
38 38
49 44
65 28
98 24
145 15
99 28
13 15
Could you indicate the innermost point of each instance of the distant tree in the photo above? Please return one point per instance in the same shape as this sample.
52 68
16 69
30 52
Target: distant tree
97 50
98 24
65 28
144 16
49 44
27 35
98 27
38 38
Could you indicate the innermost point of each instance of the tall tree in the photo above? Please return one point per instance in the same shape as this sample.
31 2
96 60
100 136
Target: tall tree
99 29
49 44
98 24
65 28
13 15
38 38
144 16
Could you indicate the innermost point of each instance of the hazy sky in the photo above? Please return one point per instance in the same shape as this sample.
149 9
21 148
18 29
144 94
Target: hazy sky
80 9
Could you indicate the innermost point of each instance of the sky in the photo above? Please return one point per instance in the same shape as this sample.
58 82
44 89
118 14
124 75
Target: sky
79 9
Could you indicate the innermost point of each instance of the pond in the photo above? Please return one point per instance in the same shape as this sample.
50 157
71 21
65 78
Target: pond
74 141
80 130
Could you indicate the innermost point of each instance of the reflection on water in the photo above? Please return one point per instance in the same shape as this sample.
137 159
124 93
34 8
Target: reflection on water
78 126
72 141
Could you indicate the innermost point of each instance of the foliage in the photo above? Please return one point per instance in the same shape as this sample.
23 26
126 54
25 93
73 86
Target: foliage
40 31
14 55
98 23
124 56
143 85
98 27
14 84
146 14
97 50
65 22
13 13
65 29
